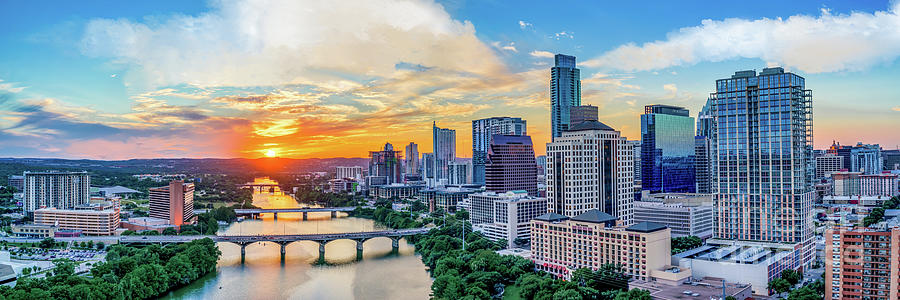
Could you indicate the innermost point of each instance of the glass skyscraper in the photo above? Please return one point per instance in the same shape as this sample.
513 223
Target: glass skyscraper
444 146
761 142
565 92
483 131
667 150
703 168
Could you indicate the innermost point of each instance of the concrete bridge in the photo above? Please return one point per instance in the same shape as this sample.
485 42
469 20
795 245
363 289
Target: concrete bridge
260 187
283 240
275 211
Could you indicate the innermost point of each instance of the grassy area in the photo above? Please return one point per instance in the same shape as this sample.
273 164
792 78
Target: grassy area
216 204
512 293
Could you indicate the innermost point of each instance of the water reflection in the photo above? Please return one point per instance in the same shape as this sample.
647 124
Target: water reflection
381 274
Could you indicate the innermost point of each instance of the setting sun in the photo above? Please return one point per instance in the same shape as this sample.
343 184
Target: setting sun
271 153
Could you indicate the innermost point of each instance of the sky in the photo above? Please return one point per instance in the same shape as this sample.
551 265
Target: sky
316 79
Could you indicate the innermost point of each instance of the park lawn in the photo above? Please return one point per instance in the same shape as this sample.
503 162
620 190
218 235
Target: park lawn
512 293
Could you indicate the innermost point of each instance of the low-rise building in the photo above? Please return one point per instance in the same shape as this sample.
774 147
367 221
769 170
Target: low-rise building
88 221
505 216
861 189
147 223
397 190
33 230
684 219
446 199
560 245
706 288
743 262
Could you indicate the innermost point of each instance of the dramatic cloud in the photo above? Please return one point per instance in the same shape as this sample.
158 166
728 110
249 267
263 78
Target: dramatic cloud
813 44
247 43
525 25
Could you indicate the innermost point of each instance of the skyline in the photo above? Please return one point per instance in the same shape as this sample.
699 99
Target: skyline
241 79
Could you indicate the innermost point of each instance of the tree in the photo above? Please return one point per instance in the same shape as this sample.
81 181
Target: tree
462 214
129 232
169 231
792 277
47 243
681 244
634 294
100 246
780 285
567 294
90 244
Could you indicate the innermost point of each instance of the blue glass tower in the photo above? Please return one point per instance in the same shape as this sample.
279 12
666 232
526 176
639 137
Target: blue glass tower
565 92
667 150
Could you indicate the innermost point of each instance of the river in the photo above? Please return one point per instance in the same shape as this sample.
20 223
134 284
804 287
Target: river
379 275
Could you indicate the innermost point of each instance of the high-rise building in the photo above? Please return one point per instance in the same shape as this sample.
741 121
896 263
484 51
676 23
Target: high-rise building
565 92
855 184
174 202
891 159
560 245
386 163
667 150
355 172
412 158
460 172
506 215
864 158
703 160
583 113
827 164
685 219
862 263
428 168
764 167
590 167
511 165
483 131
61 190
17 182
444 142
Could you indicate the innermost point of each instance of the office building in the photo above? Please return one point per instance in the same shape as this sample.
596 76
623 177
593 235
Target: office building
763 169
174 203
565 92
354 172
62 190
411 164
511 165
444 142
541 161
446 199
684 219
861 189
583 113
891 159
560 245
33 230
428 168
17 182
827 164
590 167
862 263
386 163
396 191
636 160
703 160
483 131
460 172
667 150
865 158
751 263
101 220
505 216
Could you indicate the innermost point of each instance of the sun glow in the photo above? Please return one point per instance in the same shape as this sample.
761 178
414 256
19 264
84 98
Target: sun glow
271 153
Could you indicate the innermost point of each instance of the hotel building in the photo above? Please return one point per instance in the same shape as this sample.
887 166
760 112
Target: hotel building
174 203
62 190
862 263
506 215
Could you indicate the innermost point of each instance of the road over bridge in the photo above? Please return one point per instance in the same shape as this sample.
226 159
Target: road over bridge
275 211
282 240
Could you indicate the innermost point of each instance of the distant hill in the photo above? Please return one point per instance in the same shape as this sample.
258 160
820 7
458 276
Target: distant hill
15 166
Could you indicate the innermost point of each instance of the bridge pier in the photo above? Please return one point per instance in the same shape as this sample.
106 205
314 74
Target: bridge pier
333 214
395 243
359 249
305 216
275 215
283 245
243 252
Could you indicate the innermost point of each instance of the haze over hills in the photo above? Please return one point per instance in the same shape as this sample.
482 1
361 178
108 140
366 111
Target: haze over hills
15 166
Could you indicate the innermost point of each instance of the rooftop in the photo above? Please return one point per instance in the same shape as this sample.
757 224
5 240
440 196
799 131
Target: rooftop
590 125
646 227
551 217
594 216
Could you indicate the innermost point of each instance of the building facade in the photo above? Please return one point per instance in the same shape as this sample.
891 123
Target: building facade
505 216
483 131
682 219
174 202
565 92
703 160
511 165
865 158
446 199
354 172
560 245
861 189
17 182
667 150
386 163
62 190
590 167
411 163
460 172
444 142
763 158
827 164
88 221
862 263
583 113
891 159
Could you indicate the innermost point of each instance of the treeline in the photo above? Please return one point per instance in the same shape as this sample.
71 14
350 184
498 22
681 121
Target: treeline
127 273
877 214
387 217
685 243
